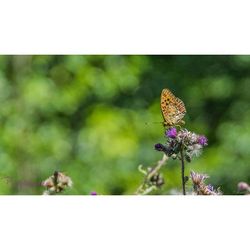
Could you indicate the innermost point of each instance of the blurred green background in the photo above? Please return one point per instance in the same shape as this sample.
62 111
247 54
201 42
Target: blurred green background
86 116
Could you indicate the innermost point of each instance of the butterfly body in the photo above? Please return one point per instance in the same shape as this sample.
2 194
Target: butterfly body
173 109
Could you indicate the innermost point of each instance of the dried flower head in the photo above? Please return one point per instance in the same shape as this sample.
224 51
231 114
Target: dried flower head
57 183
200 188
197 178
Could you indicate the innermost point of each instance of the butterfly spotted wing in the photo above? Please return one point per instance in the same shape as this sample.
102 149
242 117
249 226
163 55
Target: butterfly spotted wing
173 108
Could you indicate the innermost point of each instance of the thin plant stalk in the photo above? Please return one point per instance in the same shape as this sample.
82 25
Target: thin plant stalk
183 173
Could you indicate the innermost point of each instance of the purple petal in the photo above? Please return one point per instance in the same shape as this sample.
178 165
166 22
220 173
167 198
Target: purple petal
171 133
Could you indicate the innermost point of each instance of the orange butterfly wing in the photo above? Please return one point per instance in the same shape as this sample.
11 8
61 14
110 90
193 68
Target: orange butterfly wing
173 109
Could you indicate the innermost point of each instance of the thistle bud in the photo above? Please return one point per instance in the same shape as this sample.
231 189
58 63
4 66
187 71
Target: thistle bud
243 186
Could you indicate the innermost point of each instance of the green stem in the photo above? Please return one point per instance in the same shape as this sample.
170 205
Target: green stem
149 190
183 172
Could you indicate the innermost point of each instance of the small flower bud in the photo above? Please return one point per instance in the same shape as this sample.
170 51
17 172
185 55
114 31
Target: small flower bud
243 186
159 147
157 179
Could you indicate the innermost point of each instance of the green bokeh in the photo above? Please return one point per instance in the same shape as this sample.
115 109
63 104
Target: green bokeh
92 117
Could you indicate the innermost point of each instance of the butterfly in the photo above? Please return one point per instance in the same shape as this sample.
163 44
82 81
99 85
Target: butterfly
172 108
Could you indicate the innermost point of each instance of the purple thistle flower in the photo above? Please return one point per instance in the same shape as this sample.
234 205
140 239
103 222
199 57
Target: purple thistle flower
93 193
202 140
171 133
